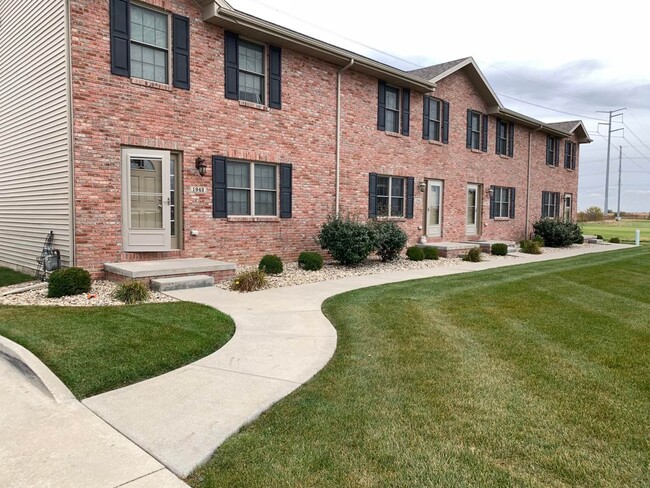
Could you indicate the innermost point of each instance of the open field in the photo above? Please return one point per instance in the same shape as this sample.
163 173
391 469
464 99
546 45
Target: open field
625 229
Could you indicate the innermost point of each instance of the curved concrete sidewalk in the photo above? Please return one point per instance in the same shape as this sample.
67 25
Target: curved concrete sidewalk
282 340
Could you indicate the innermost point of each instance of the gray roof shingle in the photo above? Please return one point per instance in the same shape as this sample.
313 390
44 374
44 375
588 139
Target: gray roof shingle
431 72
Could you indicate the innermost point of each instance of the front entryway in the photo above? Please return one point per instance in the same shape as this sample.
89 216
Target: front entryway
434 208
472 221
568 205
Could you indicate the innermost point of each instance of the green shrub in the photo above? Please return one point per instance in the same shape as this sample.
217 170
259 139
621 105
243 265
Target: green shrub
310 261
556 233
431 253
599 237
271 264
68 281
415 253
499 249
132 291
615 240
389 239
530 247
249 281
539 240
347 240
473 255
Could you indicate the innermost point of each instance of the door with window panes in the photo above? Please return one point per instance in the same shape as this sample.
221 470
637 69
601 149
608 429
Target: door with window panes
434 208
568 204
473 210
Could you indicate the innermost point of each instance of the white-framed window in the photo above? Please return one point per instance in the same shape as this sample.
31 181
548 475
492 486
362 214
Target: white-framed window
392 109
570 155
502 137
252 188
434 119
251 72
149 44
502 201
390 196
550 204
552 150
475 130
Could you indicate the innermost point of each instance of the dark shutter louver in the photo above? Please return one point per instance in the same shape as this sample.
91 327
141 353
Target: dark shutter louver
231 63
285 191
275 77
574 156
557 205
372 196
511 139
406 111
557 152
120 18
548 150
445 122
484 134
567 154
219 188
181 49
410 196
425 117
469 128
496 139
512 203
381 105
492 201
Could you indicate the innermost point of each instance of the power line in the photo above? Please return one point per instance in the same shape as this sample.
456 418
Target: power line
549 108
637 137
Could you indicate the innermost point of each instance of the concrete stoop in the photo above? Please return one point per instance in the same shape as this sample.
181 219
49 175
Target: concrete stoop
451 249
181 283
175 269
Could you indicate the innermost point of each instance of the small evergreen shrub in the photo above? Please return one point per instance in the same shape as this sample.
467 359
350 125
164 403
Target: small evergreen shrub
249 281
310 261
556 233
599 237
473 255
615 240
132 291
389 239
431 253
68 281
347 240
271 264
530 247
415 253
499 249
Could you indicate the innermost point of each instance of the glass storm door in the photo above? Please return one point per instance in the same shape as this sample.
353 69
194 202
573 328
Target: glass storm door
566 216
473 206
434 208
146 216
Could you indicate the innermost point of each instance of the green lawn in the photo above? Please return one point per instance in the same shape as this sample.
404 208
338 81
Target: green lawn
11 277
532 376
625 229
98 349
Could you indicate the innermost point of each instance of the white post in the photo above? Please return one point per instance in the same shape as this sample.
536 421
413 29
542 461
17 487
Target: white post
638 237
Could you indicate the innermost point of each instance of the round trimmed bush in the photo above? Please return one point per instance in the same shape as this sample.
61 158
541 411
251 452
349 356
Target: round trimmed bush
415 253
615 240
431 253
389 239
310 261
68 281
473 255
271 264
347 240
499 249
598 236
132 291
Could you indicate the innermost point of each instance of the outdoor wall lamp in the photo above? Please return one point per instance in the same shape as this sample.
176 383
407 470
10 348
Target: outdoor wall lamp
422 186
200 165
490 191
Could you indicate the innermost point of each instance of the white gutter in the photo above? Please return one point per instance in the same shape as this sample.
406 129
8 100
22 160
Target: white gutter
338 133
528 176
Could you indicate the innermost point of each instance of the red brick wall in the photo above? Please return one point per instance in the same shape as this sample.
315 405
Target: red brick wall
112 111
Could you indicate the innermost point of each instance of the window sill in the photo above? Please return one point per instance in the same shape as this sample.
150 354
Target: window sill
435 143
250 218
552 166
477 151
151 84
256 106
503 156
570 170
393 134
501 219
391 219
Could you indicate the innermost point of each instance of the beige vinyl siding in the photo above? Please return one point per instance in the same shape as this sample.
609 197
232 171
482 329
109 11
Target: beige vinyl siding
35 156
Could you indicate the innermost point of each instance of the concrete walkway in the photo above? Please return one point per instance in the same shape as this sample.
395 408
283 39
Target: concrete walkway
282 340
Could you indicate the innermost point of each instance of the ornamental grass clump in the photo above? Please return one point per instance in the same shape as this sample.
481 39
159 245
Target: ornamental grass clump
473 255
530 247
347 240
249 281
615 240
132 291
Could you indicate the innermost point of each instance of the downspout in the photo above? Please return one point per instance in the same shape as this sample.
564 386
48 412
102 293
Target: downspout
528 177
338 134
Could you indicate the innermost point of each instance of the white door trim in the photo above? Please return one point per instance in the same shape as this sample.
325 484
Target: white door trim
434 208
471 229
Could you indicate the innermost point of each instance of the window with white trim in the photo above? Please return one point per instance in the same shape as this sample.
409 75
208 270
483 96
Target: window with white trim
434 119
502 137
502 201
475 130
149 44
252 189
550 204
390 196
251 72
392 109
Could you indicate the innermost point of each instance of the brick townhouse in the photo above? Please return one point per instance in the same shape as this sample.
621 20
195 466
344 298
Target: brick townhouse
162 129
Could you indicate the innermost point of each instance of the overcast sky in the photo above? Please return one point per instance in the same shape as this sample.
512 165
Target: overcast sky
577 57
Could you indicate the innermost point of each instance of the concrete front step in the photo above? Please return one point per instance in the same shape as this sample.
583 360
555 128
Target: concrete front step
451 249
169 268
181 283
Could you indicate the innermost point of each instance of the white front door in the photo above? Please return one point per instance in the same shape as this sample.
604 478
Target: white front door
146 219
568 205
434 208
473 210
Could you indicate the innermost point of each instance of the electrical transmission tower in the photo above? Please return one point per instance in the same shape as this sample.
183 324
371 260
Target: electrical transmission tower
612 114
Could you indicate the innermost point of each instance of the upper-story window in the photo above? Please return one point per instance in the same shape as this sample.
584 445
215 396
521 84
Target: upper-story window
505 138
247 71
435 119
570 155
552 151
477 130
145 45
393 108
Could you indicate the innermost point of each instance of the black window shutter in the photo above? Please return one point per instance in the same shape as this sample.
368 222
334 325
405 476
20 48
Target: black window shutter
567 154
548 150
275 77
219 188
492 201
181 49
372 196
496 139
381 106
511 139
425 117
512 203
469 128
573 155
557 152
445 122
557 205
410 195
285 191
406 111
232 65
484 134
120 37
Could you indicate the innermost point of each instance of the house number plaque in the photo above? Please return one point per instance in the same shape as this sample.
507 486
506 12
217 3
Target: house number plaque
198 189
